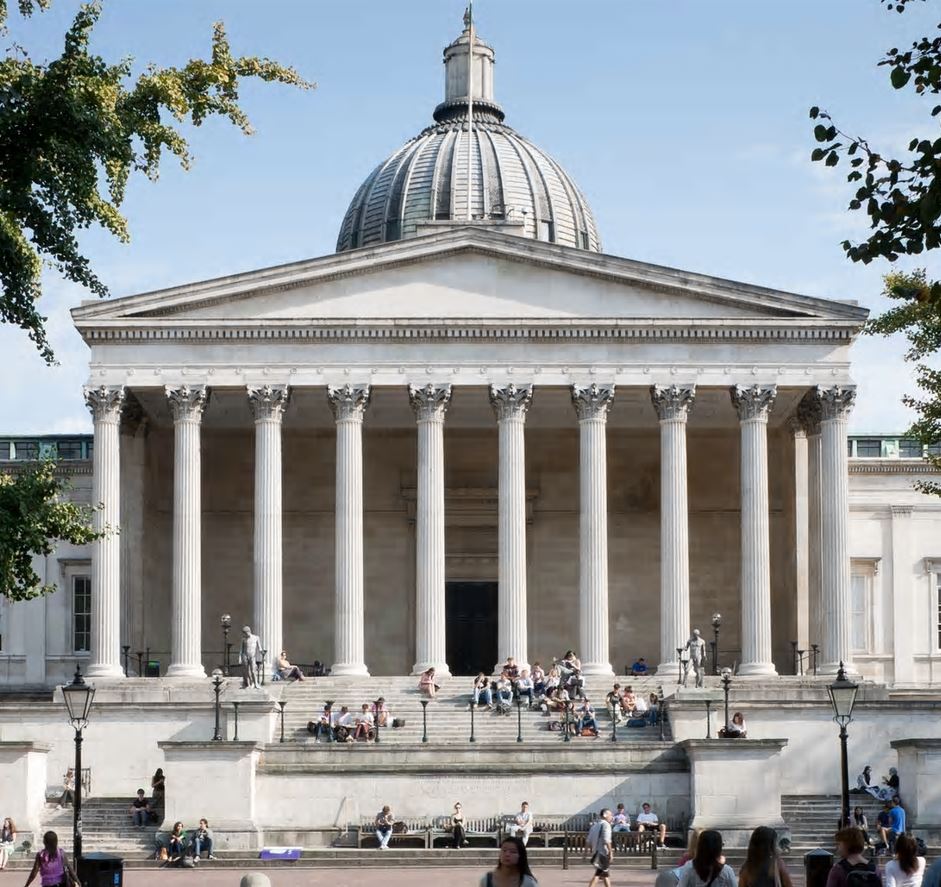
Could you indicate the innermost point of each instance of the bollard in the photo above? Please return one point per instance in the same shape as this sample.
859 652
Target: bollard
817 865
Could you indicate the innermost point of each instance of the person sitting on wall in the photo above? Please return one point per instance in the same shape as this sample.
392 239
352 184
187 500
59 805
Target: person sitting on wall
482 694
539 680
381 715
286 671
639 667
524 687
863 781
68 789
736 729
426 683
140 810
647 820
364 724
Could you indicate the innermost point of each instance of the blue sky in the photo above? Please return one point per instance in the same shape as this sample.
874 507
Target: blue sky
684 123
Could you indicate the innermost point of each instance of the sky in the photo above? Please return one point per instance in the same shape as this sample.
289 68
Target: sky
685 123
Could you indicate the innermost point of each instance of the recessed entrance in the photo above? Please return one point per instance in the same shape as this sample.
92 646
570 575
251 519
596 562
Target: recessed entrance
471 638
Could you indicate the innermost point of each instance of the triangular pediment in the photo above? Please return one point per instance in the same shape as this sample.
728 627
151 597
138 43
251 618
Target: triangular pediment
461 274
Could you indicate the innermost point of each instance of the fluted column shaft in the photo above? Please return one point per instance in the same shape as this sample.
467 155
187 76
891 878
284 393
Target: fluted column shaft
510 403
591 406
801 534
753 405
430 403
349 403
267 404
105 404
673 404
187 404
835 405
808 412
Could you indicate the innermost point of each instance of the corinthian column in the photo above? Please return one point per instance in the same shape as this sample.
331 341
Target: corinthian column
187 404
591 406
808 412
510 403
430 403
753 404
105 404
835 405
267 405
349 403
673 404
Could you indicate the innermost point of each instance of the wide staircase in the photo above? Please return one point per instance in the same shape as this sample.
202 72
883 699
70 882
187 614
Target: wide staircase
448 716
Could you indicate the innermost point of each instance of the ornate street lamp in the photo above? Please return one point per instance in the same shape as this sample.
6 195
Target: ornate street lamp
281 705
716 622
842 694
377 705
679 666
217 683
226 623
815 649
614 722
519 718
78 698
472 738
726 683
262 666
424 720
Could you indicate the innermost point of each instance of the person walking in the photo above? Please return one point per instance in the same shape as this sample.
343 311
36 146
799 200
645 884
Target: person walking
708 868
763 866
51 864
512 867
600 843
908 868
849 847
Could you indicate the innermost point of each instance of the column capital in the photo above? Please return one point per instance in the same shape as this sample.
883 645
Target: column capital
348 401
187 402
267 402
592 401
753 401
429 401
836 401
808 414
672 401
104 401
510 401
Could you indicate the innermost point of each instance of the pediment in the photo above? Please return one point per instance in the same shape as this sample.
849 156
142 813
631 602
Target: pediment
465 274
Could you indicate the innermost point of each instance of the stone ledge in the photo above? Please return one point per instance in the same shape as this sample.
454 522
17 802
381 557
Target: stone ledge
932 744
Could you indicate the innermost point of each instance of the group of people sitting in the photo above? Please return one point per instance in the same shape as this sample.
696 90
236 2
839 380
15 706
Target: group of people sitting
626 706
885 792
180 844
347 726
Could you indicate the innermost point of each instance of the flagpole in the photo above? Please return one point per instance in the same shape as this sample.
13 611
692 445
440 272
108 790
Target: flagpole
470 104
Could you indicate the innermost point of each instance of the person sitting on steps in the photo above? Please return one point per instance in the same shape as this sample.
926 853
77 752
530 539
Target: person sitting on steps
586 719
503 694
539 680
426 684
482 694
524 687
202 841
381 715
286 671
140 810
364 725
324 725
346 723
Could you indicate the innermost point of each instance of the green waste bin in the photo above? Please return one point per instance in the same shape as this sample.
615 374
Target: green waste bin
817 865
100 870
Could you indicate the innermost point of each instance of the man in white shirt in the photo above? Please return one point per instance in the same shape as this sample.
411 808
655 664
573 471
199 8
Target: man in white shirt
524 686
345 725
649 821
522 825
599 840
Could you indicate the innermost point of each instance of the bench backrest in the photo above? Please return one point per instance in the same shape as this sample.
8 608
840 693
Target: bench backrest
471 823
413 824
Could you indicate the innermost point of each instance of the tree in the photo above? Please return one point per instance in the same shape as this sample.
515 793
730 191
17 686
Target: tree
34 513
902 198
72 132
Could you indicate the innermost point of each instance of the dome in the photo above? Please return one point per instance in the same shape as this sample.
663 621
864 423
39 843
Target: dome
515 185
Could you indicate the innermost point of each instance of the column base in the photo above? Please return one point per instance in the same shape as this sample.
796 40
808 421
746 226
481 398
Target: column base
441 669
598 669
185 670
349 669
757 669
668 670
104 670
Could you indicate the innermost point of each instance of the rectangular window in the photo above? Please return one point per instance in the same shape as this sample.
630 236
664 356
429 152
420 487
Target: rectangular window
910 449
868 448
26 450
6 450
934 449
859 609
81 614
70 449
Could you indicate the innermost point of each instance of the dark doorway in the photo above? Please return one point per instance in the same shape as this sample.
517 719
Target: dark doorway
471 614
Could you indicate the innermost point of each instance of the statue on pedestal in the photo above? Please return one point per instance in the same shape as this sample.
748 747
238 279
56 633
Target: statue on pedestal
697 655
249 653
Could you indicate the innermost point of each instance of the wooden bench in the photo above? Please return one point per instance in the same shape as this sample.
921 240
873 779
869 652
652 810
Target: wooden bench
554 828
415 830
622 843
480 828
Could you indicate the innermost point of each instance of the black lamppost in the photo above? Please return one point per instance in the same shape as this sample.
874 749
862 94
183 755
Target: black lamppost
472 737
281 706
378 707
217 683
424 720
78 698
726 683
800 661
140 663
519 718
794 655
679 666
125 649
565 725
716 622
226 623
261 666
614 721
235 706
661 710
843 697
815 649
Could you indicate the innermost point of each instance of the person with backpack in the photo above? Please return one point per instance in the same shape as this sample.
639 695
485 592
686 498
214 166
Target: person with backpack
708 868
512 869
853 869
763 867
908 868
52 865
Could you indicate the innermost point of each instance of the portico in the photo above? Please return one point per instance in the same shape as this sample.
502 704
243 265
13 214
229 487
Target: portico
550 396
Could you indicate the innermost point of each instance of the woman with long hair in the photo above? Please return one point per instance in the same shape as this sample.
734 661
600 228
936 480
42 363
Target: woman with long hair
690 847
512 868
177 842
763 867
7 841
908 868
708 868
52 865
862 823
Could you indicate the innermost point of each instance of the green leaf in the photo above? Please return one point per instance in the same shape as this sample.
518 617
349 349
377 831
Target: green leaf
820 133
832 158
899 77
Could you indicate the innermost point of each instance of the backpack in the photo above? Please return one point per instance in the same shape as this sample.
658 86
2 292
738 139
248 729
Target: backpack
860 875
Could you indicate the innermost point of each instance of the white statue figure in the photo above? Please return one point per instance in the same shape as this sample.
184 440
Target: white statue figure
697 655
249 654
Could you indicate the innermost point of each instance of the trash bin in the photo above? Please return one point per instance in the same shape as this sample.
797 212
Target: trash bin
152 668
100 870
817 865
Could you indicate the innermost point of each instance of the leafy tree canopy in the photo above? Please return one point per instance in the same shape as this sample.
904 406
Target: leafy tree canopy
902 198
73 130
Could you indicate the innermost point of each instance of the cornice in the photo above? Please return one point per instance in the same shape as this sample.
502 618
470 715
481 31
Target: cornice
891 466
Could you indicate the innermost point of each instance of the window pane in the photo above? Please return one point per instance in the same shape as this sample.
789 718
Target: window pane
869 448
70 449
81 614
910 449
26 449
859 589
934 449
